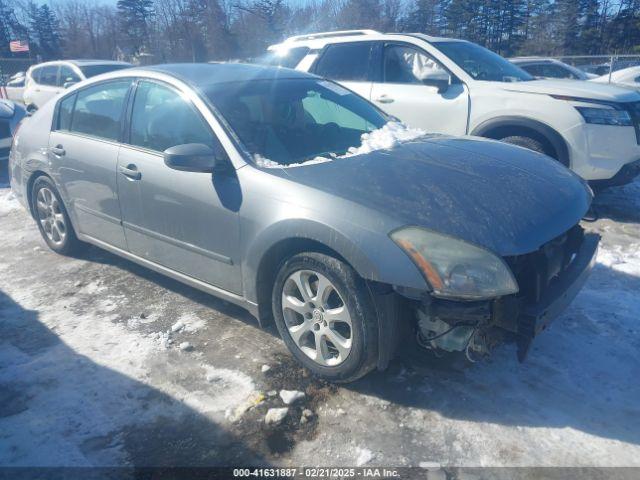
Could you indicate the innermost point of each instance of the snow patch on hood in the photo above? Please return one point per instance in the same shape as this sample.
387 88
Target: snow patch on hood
384 138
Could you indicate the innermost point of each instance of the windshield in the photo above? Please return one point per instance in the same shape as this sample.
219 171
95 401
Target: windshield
92 70
290 121
482 64
289 58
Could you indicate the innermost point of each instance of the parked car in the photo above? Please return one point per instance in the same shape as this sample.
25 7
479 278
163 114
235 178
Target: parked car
457 87
267 187
14 87
551 68
46 80
628 77
10 116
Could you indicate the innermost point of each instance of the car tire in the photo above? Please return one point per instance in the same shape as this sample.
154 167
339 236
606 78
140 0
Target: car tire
526 142
52 218
343 306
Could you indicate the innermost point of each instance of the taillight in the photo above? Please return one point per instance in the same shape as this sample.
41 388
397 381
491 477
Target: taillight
15 133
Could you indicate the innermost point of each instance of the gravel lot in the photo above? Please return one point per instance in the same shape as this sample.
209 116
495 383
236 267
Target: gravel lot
94 370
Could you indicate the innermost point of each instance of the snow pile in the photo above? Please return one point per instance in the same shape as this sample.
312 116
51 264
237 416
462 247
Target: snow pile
266 163
291 396
625 260
364 456
275 416
387 137
8 202
390 135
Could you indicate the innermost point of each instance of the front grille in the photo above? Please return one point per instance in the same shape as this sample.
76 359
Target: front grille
535 271
633 108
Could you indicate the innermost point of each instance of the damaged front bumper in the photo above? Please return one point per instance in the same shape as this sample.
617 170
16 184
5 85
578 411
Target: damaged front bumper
549 280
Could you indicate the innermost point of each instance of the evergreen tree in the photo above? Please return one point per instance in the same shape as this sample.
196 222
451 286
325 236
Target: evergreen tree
48 33
135 20
424 16
5 29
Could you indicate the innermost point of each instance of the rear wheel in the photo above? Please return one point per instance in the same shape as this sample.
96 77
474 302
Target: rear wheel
325 315
52 218
526 142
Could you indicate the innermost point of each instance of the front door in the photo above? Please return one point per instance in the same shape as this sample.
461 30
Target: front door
411 89
85 145
185 221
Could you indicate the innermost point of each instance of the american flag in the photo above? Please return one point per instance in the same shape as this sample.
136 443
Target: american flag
19 46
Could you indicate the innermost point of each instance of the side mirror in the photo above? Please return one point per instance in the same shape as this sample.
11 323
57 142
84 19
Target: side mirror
68 84
191 157
442 81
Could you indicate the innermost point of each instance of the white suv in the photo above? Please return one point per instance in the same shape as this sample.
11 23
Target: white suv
457 87
46 80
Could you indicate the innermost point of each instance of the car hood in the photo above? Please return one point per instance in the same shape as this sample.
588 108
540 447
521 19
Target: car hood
574 88
504 198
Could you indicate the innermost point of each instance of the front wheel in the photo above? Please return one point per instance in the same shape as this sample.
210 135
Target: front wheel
525 142
325 316
52 217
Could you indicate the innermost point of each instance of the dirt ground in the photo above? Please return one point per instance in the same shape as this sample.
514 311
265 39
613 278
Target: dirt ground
94 370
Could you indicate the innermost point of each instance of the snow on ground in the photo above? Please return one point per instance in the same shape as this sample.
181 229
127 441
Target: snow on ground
91 374
8 201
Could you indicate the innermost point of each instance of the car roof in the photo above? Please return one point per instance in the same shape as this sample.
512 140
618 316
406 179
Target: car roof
529 60
86 62
79 63
320 39
202 74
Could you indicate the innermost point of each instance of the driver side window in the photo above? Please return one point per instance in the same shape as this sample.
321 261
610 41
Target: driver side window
161 118
407 65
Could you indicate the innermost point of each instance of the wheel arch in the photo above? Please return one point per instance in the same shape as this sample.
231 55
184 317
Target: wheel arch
501 127
285 239
33 176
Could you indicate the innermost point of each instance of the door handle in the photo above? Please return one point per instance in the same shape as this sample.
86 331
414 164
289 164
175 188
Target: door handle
58 151
130 171
384 99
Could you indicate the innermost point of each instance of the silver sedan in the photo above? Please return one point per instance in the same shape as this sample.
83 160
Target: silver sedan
295 198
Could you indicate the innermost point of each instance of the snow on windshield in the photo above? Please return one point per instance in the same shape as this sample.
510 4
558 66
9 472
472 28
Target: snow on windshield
385 138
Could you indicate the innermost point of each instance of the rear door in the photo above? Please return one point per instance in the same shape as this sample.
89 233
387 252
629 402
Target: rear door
182 220
84 146
47 85
348 63
409 89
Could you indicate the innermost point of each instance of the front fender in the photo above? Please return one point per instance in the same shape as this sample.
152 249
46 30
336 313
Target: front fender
374 256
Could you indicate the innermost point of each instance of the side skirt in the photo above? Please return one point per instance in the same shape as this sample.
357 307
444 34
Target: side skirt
192 282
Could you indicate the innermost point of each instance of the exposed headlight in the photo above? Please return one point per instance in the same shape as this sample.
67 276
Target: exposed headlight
605 116
454 268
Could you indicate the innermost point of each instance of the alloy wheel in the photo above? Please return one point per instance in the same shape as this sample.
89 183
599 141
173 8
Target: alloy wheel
317 317
50 216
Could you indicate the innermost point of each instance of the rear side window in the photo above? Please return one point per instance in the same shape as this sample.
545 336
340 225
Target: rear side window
346 61
556 71
161 119
284 58
35 74
65 111
98 110
67 75
49 76
534 69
